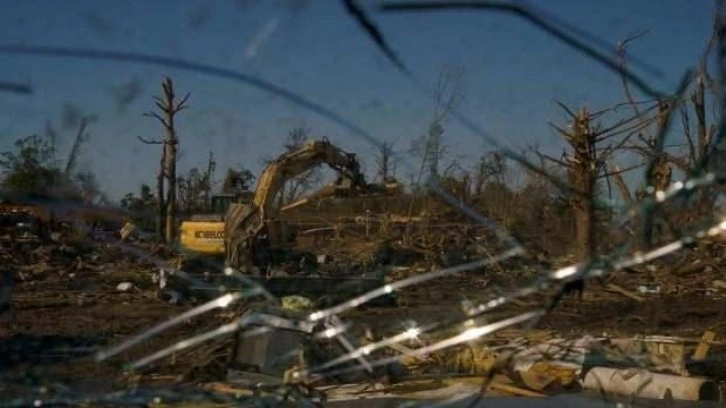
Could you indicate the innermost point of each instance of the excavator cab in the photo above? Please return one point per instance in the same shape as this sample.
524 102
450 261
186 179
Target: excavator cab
204 233
220 202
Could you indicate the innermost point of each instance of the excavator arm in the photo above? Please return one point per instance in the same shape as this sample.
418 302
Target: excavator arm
247 229
291 165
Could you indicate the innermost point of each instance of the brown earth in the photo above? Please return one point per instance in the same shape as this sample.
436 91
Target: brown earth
87 311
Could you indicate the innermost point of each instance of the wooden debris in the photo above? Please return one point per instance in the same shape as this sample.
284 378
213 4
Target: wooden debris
469 360
538 381
615 288
663 353
226 389
542 376
410 358
540 335
704 345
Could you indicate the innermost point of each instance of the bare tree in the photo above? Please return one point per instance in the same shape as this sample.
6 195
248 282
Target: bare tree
167 207
194 189
664 161
458 182
237 181
385 163
587 165
583 169
489 167
448 94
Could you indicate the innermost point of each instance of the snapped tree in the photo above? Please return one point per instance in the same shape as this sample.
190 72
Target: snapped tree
169 107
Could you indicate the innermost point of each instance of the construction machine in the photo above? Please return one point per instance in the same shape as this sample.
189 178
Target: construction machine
204 233
254 234
254 240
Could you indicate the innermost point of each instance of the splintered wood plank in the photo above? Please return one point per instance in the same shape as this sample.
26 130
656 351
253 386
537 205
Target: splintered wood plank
704 345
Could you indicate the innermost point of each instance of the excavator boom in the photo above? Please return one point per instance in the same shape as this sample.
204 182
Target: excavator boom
250 229
293 164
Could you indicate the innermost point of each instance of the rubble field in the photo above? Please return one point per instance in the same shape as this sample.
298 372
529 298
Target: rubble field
73 299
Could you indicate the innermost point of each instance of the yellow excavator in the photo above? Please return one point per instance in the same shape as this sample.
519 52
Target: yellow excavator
247 230
248 233
204 233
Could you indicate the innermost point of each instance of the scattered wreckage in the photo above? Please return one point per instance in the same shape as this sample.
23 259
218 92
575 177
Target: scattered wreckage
248 229
248 233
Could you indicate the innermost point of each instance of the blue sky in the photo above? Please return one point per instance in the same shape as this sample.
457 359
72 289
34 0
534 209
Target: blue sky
513 73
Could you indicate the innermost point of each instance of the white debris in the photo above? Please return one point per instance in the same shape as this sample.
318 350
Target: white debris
565 353
650 288
124 286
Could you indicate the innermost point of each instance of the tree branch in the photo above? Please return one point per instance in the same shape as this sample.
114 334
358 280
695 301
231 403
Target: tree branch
679 162
563 132
544 157
618 172
623 69
620 183
566 109
157 116
150 142
182 104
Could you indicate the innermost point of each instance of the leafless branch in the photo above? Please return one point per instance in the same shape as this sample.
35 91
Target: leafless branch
149 141
182 104
622 65
448 92
560 130
615 172
566 109
546 157
157 116
679 162
622 171
638 117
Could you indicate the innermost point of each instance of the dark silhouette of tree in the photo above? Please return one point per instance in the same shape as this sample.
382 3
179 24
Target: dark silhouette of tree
31 169
237 181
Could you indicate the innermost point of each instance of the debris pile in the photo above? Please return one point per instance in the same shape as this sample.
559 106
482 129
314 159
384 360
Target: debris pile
540 364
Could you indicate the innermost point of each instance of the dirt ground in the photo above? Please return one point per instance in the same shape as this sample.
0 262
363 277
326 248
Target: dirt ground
69 314
58 322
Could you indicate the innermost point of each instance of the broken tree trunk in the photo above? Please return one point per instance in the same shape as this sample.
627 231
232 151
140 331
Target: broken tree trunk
705 199
166 226
659 179
161 206
582 173
170 150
